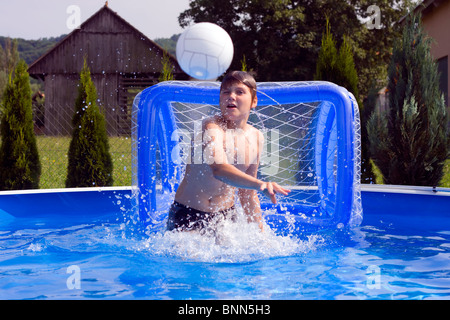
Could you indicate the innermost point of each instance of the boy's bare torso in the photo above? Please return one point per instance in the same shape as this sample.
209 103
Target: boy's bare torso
239 147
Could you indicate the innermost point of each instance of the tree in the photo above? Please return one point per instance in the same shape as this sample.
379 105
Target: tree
90 162
169 44
410 143
327 62
372 46
347 75
20 167
167 72
338 67
281 38
9 56
266 32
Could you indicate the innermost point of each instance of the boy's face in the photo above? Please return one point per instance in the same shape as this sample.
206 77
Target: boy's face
236 101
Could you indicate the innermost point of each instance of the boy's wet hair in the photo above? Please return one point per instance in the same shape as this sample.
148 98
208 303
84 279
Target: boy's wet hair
239 77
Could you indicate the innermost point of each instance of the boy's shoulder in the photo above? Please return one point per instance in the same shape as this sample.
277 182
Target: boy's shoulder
213 122
216 122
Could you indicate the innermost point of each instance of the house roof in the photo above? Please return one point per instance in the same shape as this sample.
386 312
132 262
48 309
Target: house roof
112 45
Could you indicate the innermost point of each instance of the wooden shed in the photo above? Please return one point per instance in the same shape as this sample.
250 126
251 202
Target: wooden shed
122 61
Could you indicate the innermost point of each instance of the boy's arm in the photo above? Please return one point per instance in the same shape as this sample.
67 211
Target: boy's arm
250 201
216 157
229 174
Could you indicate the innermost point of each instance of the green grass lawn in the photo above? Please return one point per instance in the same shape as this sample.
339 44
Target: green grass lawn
53 155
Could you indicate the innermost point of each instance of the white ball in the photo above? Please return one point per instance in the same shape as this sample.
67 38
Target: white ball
204 51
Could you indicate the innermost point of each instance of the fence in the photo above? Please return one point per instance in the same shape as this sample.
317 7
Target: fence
53 148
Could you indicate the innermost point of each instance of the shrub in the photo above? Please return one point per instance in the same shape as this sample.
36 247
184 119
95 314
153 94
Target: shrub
90 162
409 143
339 67
20 167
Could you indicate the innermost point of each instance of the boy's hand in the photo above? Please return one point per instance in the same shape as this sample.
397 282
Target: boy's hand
270 189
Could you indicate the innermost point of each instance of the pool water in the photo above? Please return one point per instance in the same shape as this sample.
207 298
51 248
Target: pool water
107 258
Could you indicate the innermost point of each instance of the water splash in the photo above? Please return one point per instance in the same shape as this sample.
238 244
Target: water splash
267 96
230 242
259 115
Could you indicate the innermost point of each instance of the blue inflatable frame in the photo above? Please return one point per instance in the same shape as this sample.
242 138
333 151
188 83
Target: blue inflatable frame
155 124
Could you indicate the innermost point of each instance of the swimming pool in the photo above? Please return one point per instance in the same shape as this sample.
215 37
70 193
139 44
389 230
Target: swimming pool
79 244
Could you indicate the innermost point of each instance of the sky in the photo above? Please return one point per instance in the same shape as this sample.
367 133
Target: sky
35 19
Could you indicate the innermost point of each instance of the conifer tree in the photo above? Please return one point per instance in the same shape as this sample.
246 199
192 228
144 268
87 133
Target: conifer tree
167 71
20 167
9 57
90 162
347 76
339 67
410 143
327 65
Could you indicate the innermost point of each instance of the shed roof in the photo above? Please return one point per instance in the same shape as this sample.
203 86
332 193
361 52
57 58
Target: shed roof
110 44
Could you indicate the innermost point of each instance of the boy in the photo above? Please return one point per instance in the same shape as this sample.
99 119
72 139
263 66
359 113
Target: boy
232 150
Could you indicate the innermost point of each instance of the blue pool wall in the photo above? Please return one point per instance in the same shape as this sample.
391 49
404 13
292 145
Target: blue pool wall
418 207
